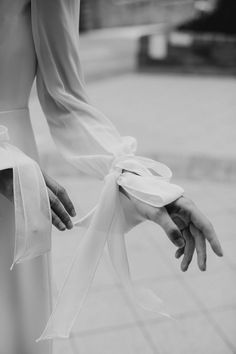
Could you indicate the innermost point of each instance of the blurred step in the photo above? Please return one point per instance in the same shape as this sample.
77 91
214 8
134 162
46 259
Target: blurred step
188 52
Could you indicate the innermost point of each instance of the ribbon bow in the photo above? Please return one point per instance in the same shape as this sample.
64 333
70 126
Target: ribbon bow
141 178
32 209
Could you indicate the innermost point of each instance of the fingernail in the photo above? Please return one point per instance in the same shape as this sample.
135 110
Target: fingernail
184 267
73 212
62 227
181 243
70 225
221 252
203 267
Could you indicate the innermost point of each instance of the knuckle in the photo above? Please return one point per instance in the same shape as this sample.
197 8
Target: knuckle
54 201
61 191
174 234
189 203
65 217
156 213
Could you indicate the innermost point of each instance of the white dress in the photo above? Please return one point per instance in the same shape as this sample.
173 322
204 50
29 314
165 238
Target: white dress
88 140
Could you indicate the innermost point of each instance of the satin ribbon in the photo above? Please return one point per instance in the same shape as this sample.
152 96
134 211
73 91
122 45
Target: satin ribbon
141 178
31 204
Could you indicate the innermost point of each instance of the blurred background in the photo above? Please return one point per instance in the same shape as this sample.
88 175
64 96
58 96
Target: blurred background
164 72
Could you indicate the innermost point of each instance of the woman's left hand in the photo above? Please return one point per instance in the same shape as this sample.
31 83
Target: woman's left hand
196 229
184 224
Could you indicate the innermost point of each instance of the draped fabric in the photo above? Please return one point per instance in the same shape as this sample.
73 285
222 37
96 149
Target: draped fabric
89 141
32 210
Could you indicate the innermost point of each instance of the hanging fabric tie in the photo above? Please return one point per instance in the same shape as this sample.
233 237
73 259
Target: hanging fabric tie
32 210
141 178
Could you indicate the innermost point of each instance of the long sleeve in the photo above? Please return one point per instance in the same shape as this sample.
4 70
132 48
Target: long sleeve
89 141
82 133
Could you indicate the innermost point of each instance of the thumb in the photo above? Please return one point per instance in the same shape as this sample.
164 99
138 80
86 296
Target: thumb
172 231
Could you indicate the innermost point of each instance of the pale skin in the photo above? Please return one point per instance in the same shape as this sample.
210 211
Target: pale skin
186 227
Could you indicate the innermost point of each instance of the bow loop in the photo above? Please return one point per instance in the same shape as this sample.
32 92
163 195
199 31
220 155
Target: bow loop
141 166
145 179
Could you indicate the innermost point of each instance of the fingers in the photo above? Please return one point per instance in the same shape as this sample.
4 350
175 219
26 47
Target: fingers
193 239
65 200
201 223
162 218
200 243
188 250
59 212
61 194
179 252
57 222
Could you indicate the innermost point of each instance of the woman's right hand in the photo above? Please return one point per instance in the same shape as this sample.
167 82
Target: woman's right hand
61 206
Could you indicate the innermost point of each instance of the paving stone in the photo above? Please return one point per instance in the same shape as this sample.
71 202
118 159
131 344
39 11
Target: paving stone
193 335
104 309
214 290
226 320
125 340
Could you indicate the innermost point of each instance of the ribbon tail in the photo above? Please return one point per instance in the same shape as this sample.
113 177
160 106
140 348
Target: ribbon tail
82 270
32 210
31 204
20 219
140 296
86 220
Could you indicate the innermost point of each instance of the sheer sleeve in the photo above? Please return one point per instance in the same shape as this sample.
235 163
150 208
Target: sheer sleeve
89 141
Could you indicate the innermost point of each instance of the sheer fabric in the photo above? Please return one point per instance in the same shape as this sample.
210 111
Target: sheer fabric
88 140
32 219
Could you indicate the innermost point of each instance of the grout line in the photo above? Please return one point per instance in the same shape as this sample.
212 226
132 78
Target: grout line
203 308
141 325
149 322
209 317
162 278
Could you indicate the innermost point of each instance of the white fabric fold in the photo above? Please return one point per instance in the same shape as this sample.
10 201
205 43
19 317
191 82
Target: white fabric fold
31 204
107 223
